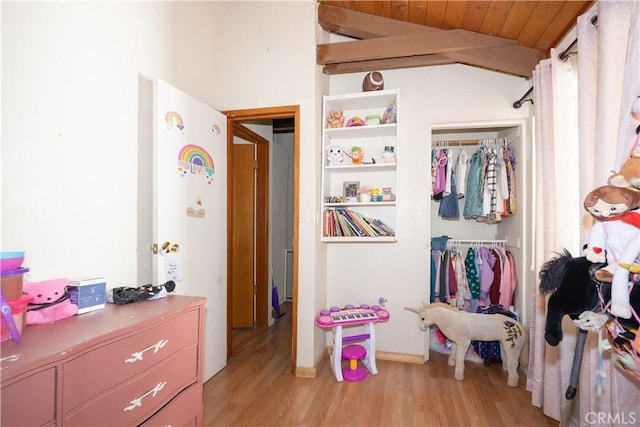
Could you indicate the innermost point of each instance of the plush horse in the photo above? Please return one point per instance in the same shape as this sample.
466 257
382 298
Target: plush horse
462 327
573 289
576 292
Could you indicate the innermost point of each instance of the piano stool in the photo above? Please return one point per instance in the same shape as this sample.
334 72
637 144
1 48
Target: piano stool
353 371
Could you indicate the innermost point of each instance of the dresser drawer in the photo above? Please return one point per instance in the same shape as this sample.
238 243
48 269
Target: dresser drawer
183 410
133 401
98 370
30 401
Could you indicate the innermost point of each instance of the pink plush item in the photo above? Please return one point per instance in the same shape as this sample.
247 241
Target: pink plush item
50 301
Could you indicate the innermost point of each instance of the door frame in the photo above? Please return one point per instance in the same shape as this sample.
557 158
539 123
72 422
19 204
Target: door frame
235 118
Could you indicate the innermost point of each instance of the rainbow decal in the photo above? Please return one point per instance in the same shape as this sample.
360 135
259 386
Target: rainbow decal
195 160
173 119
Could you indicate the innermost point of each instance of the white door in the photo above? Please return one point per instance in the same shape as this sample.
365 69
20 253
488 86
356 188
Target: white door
190 208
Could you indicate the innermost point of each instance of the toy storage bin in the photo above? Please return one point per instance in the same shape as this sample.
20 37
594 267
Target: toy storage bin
12 282
19 314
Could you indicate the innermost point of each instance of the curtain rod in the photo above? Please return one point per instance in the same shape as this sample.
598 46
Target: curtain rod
565 54
524 99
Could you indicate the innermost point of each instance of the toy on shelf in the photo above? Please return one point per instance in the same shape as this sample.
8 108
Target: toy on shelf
336 318
334 155
373 81
462 327
335 119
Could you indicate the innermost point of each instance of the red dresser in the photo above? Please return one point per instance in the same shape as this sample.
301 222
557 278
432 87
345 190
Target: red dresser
135 364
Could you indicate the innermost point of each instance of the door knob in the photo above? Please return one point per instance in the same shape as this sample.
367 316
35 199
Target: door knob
170 247
166 247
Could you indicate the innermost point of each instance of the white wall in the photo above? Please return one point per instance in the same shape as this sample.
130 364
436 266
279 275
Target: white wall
267 59
76 84
398 271
75 152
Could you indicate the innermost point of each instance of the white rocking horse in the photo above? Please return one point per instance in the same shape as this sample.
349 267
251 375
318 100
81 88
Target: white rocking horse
462 327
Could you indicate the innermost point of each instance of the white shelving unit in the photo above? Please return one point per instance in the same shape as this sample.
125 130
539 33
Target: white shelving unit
375 172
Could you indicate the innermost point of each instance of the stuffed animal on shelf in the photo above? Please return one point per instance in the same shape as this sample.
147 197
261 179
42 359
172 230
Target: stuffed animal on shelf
50 302
614 239
462 327
335 119
334 155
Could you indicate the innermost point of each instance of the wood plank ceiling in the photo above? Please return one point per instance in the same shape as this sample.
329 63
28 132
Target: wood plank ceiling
505 36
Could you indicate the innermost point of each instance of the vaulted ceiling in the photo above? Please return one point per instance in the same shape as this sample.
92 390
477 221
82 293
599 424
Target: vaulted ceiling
504 36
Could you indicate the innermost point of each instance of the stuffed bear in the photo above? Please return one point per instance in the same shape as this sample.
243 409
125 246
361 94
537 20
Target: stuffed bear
615 239
50 301
334 155
335 119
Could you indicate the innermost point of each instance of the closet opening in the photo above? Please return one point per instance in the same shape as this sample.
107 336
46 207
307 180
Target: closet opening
487 213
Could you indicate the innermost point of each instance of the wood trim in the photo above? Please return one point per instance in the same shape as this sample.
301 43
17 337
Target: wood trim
417 359
425 43
281 112
397 44
262 236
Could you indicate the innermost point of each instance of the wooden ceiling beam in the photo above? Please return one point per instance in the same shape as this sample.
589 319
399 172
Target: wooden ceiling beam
407 45
363 25
377 49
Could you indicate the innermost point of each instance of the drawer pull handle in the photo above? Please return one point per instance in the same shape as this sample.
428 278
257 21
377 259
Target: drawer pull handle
138 355
137 402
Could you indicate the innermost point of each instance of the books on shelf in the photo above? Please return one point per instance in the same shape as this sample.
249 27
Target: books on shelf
340 222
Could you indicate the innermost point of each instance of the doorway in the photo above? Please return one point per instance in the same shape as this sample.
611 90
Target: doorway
235 120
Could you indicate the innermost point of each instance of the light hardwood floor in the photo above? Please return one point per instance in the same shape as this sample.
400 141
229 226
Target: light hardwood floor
258 389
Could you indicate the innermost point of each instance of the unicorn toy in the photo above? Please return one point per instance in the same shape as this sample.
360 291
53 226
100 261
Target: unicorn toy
462 327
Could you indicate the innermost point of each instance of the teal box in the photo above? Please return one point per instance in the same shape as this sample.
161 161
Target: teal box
88 293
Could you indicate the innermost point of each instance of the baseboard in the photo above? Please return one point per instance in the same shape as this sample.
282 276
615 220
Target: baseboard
417 359
303 372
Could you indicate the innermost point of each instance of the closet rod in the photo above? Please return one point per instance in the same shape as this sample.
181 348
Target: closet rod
524 99
455 142
475 241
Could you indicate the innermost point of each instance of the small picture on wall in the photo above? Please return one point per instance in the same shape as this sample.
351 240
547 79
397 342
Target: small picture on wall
350 190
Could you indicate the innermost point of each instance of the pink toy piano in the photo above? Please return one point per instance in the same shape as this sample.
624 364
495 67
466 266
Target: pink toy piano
364 315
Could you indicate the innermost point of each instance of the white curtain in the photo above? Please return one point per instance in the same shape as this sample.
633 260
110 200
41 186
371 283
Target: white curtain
608 69
556 139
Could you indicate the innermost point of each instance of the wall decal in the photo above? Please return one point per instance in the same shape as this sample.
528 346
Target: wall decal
173 119
197 211
194 159
215 129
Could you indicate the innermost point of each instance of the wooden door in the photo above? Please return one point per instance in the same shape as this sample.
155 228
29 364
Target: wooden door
243 238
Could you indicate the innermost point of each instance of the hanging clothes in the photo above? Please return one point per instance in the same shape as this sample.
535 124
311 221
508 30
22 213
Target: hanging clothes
461 173
483 275
490 190
473 200
449 207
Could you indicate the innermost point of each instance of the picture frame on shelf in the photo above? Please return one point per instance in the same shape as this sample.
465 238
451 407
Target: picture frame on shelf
350 191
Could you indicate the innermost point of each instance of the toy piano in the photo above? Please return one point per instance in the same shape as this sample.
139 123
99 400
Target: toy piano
364 315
